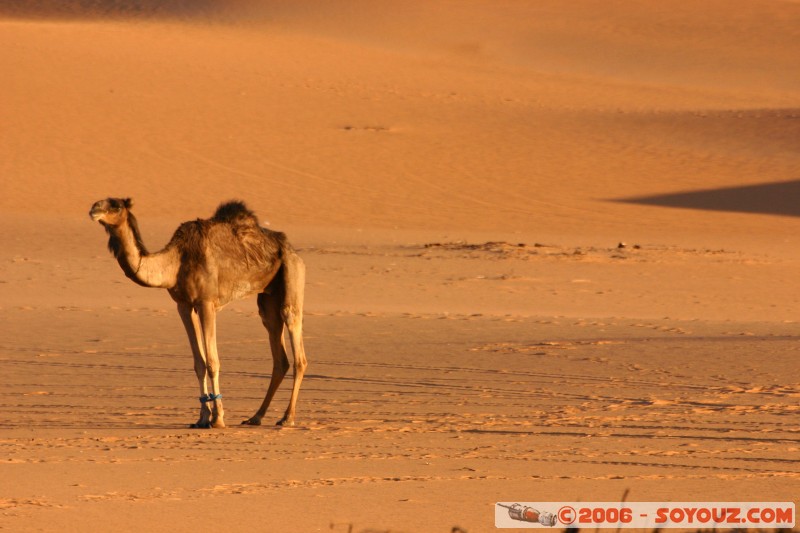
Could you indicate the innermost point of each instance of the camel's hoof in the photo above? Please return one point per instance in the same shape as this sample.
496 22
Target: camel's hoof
200 425
285 423
251 422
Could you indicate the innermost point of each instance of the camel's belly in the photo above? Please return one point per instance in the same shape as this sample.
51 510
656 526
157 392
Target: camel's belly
242 289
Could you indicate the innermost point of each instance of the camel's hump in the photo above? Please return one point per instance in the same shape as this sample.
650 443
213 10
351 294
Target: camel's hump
234 212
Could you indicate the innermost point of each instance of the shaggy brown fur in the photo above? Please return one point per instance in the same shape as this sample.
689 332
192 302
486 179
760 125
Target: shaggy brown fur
207 264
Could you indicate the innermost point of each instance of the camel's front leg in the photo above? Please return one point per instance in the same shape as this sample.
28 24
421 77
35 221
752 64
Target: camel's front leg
208 320
191 321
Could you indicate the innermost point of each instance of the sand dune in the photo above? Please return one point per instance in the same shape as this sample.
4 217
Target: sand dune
552 250
530 119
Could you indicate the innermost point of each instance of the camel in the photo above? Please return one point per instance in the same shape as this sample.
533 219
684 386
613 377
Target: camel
206 265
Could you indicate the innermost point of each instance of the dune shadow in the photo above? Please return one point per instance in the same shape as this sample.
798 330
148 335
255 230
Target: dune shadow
94 9
781 198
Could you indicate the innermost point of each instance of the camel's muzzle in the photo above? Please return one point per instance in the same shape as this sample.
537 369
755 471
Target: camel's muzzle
97 211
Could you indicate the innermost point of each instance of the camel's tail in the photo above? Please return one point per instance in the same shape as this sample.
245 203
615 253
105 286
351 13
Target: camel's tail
291 278
293 275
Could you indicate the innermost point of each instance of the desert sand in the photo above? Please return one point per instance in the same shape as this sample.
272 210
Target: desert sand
552 253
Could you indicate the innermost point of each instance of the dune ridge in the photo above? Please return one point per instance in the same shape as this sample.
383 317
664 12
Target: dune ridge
397 133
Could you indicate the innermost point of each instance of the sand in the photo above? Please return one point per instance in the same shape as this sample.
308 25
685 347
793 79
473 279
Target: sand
552 255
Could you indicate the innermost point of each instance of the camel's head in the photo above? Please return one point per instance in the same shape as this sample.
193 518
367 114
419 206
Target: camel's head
111 211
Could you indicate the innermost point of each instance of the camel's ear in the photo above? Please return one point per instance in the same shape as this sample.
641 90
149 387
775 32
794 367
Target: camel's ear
128 203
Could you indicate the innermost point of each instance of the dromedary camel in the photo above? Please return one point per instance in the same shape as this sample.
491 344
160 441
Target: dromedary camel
206 265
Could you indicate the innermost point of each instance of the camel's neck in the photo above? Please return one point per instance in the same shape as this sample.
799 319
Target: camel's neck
149 270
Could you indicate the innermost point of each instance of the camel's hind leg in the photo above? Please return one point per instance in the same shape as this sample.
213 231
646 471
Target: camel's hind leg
294 276
191 321
269 307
